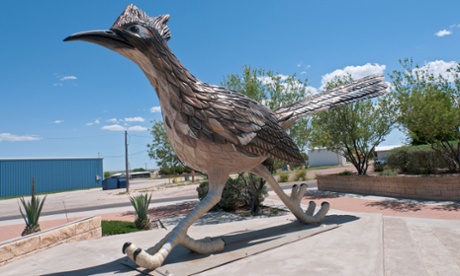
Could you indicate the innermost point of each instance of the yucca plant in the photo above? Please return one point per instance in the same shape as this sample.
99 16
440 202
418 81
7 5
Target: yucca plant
32 210
141 206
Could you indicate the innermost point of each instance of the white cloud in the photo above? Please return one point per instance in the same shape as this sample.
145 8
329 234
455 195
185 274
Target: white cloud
113 128
438 68
64 78
155 109
266 80
137 128
134 119
448 31
313 90
93 123
113 120
17 138
356 72
443 32
58 121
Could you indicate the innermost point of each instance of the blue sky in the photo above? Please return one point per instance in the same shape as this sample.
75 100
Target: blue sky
75 99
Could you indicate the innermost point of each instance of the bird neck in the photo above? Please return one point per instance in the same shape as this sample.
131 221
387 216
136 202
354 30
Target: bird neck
167 75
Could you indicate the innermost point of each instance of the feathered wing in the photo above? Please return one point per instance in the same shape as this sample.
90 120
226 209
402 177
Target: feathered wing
368 87
223 116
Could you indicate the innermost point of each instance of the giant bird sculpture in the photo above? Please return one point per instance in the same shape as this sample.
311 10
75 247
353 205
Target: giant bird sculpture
212 129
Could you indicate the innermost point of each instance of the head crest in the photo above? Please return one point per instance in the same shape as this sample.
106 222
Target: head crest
133 14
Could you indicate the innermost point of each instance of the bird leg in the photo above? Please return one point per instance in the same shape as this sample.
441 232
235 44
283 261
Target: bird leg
155 256
293 202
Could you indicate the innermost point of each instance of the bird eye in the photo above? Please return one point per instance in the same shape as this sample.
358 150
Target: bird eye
134 29
139 30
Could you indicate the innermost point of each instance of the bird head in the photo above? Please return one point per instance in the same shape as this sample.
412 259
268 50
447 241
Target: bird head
133 33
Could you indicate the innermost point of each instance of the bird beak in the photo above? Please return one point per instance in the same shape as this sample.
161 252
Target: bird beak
111 39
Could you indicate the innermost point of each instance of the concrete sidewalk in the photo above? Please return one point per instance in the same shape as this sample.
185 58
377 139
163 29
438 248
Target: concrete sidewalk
345 244
360 236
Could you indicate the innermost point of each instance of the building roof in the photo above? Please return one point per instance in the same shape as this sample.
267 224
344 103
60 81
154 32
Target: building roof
48 158
387 148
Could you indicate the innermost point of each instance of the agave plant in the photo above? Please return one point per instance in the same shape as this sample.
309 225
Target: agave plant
141 206
32 210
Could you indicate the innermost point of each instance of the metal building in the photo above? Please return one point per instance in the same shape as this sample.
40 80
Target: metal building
323 157
51 175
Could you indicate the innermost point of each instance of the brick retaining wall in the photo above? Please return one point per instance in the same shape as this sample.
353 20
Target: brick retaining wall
415 187
83 229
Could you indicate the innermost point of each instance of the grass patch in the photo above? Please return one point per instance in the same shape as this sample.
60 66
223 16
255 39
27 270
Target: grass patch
345 173
115 227
388 173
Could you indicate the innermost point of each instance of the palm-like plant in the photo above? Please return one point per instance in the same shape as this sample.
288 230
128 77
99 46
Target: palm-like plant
32 210
141 206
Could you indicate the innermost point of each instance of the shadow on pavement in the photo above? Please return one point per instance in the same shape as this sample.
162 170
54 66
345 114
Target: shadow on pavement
246 238
234 241
453 207
114 267
396 205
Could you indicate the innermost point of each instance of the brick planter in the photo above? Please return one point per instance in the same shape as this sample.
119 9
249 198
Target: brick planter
79 230
414 187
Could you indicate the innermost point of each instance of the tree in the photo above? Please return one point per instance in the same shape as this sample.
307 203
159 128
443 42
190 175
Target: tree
355 129
429 108
273 90
162 152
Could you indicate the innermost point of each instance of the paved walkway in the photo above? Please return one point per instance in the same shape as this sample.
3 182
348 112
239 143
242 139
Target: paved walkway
377 236
77 199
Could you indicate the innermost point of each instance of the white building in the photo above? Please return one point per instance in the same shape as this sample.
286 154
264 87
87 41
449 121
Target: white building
324 157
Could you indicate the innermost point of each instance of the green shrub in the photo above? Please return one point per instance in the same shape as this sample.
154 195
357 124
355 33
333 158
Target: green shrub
284 177
345 173
388 173
236 195
415 160
107 174
141 206
379 167
301 175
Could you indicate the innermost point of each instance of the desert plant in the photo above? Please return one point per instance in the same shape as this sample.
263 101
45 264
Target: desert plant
301 174
284 177
32 210
141 206
236 195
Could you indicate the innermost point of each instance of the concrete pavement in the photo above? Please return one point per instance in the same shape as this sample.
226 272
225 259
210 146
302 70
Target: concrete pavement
347 243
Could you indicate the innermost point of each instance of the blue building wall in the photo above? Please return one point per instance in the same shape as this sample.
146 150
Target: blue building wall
51 175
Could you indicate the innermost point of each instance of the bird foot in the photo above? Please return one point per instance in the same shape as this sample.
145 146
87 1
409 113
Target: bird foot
156 255
297 193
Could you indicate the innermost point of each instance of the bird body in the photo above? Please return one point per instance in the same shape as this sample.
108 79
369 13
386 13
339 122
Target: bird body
212 129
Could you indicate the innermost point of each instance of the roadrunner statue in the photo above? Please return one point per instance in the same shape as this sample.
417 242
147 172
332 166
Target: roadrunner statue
212 129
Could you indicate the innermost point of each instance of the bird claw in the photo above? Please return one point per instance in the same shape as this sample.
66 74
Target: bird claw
297 194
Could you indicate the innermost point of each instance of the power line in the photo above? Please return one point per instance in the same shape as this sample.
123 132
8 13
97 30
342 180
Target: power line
77 137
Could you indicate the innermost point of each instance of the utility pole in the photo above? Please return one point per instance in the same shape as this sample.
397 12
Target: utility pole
126 161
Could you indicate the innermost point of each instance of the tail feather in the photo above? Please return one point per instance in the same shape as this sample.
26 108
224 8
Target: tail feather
365 88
